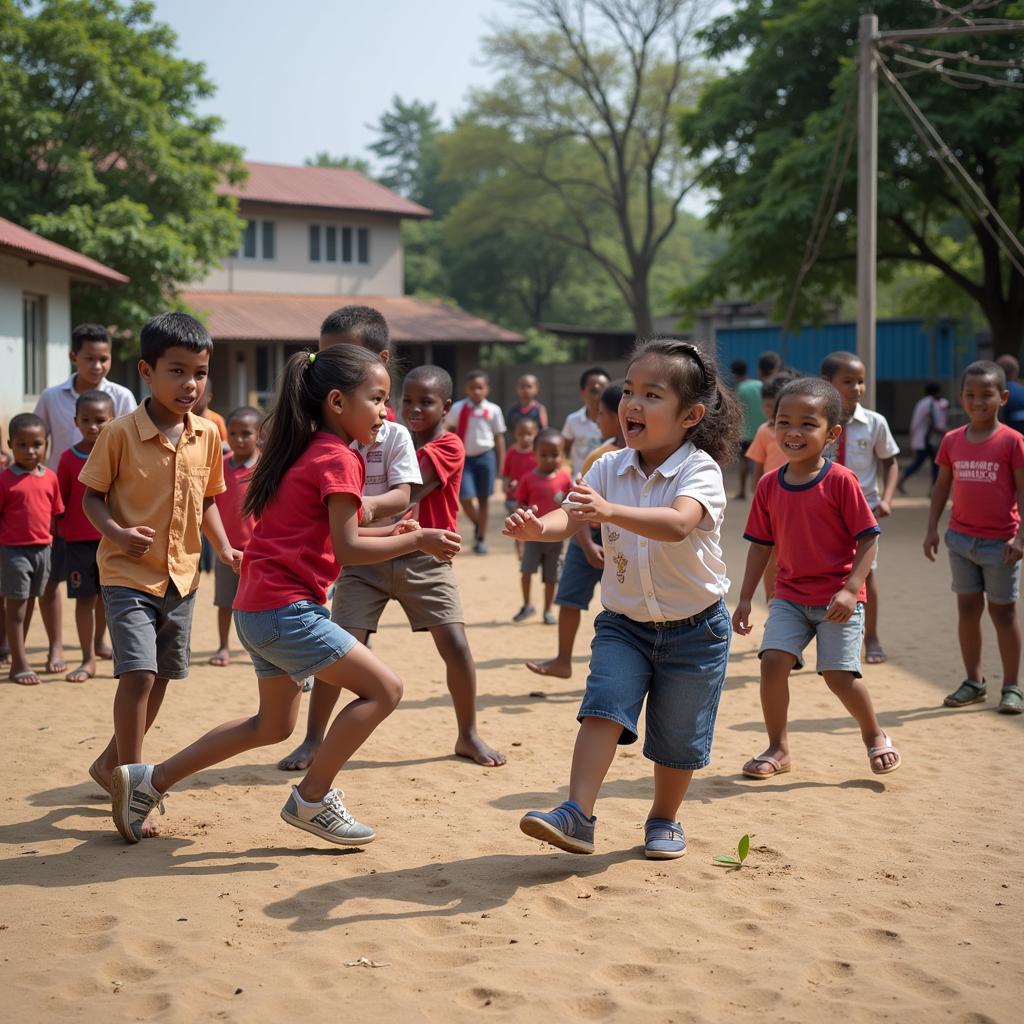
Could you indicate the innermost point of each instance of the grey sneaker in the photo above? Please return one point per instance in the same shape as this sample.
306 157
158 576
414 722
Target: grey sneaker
132 797
566 827
328 819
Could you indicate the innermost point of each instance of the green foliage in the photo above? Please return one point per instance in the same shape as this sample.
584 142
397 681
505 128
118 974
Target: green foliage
103 150
539 349
735 862
352 163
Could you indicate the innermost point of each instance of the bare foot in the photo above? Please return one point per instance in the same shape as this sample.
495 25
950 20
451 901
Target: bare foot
105 653
300 758
554 667
25 678
474 748
873 653
55 663
221 659
83 673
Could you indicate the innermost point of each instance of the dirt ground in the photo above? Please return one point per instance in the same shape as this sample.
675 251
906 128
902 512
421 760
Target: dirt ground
869 899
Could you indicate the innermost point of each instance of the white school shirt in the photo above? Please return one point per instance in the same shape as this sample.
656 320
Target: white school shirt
868 439
390 461
486 421
583 435
56 408
660 581
929 414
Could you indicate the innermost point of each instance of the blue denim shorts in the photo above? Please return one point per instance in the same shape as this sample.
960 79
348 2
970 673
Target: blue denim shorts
791 627
479 475
977 567
296 640
578 581
678 666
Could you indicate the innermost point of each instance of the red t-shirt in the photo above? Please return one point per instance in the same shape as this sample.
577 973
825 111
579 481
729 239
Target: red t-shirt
984 490
28 501
546 492
289 557
518 464
439 510
75 526
229 503
389 414
815 528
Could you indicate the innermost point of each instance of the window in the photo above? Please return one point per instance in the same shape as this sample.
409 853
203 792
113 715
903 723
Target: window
332 245
323 244
257 241
268 240
314 242
33 315
363 245
249 240
346 245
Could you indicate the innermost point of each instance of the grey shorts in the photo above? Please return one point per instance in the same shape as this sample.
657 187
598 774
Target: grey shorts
539 555
424 587
977 567
225 585
149 633
791 627
24 570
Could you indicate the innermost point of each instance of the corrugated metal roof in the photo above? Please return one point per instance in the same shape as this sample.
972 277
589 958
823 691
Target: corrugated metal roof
21 242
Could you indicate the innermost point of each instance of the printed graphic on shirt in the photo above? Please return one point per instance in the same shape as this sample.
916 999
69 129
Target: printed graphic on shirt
976 469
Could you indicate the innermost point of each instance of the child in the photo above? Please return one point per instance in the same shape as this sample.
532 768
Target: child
520 459
584 560
90 355
749 396
814 515
150 482
528 406
366 327
243 430
543 489
930 418
664 633
93 411
29 501
983 464
481 428
326 401
581 432
867 447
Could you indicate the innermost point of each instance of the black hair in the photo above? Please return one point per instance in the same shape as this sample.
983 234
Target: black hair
94 397
769 363
693 376
88 332
984 368
363 321
548 436
738 367
1010 365
24 421
933 388
525 419
478 375
612 396
172 330
435 374
593 371
523 376
836 361
309 377
244 412
771 387
818 389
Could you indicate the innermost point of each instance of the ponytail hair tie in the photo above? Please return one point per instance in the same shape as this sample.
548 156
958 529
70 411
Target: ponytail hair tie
312 358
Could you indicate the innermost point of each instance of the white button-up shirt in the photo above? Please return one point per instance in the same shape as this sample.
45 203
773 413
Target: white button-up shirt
660 581
483 424
582 436
868 439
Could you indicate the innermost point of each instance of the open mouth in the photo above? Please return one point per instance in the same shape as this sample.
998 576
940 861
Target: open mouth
793 446
634 428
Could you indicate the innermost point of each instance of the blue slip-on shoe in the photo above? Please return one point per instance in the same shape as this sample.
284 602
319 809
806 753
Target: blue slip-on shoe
566 827
132 797
663 839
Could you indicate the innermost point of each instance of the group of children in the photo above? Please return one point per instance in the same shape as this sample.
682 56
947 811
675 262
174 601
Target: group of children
643 516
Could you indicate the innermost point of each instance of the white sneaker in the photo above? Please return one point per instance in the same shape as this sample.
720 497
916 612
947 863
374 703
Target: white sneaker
328 819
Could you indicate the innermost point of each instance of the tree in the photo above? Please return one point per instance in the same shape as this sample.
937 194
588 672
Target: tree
769 129
351 163
102 149
591 91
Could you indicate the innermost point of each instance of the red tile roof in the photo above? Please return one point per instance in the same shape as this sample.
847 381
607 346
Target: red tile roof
27 245
259 316
335 188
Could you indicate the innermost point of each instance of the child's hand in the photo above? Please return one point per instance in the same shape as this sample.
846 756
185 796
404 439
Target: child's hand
841 607
232 557
137 540
1014 550
405 526
931 545
594 508
883 511
594 556
523 524
442 544
741 618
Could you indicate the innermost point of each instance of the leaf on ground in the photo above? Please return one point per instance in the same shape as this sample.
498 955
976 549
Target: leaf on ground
723 859
744 847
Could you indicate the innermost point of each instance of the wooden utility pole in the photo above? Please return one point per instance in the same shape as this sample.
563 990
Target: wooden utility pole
867 202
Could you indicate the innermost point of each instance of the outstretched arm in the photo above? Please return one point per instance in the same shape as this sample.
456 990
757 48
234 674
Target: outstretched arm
351 548
670 524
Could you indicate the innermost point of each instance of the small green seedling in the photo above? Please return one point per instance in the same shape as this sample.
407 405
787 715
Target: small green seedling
735 863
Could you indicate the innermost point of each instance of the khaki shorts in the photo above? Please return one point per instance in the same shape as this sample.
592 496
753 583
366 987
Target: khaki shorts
425 588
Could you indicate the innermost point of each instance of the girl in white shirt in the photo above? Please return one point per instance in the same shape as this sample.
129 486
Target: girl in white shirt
664 633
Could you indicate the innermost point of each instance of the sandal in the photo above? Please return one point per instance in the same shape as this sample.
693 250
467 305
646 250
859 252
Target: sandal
968 692
777 767
26 678
885 748
1011 701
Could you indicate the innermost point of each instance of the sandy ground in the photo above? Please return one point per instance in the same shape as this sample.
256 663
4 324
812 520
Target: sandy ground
864 898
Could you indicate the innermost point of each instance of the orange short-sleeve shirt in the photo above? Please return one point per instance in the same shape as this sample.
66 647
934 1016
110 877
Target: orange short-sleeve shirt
149 482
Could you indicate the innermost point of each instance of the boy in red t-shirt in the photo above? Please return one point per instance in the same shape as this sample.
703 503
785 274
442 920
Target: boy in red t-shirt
29 502
243 430
93 411
544 489
983 464
520 459
812 512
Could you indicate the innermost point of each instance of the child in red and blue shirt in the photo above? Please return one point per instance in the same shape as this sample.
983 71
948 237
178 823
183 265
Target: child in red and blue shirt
813 514
983 465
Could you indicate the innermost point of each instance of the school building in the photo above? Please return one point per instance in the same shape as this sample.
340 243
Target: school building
317 238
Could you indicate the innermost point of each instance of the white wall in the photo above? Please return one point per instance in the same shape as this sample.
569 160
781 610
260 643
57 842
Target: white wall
291 272
17 277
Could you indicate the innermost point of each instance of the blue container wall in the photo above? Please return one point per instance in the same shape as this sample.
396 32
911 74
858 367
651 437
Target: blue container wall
907 349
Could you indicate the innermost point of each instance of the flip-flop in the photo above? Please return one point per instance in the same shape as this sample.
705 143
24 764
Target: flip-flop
1011 701
54 668
885 748
968 692
79 675
874 654
777 767
22 678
